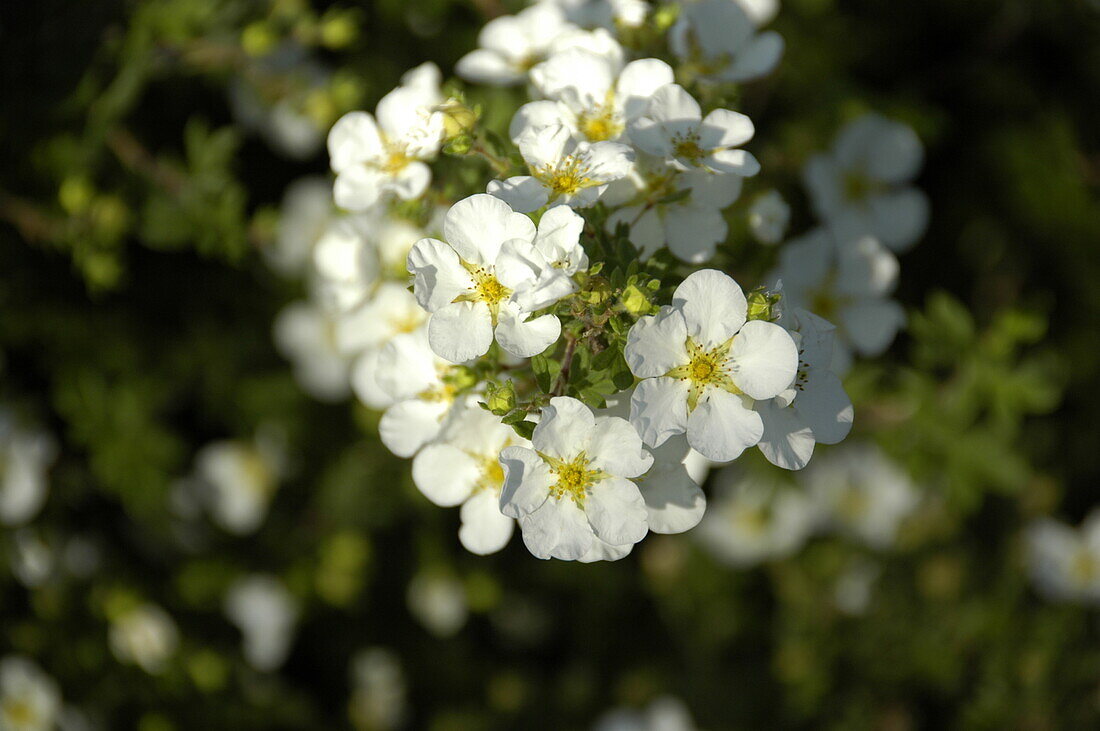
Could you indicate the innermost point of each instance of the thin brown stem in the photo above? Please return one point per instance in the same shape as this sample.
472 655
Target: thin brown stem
567 361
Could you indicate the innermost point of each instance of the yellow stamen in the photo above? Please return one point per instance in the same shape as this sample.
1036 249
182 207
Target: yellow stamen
574 478
705 368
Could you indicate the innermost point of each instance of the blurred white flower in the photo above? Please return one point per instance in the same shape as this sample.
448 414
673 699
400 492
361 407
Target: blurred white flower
609 14
1065 562
29 699
32 559
238 480
379 693
305 214
719 39
438 601
769 216
662 714
511 44
265 612
305 334
862 185
854 588
145 636
25 458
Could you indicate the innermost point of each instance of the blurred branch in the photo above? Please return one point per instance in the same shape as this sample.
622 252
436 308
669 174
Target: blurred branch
137 159
32 223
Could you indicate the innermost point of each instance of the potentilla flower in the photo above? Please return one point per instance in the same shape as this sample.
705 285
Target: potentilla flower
384 154
702 364
145 636
862 185
305 334
238 480
265 612
29 699
815 409
673 127
719 42
511 44
438 601
847 282
485 281
573 488
590 94
563 170
391 310
306 212
752 519
690 231
861 493
769 216
462 467
25 459
1064 562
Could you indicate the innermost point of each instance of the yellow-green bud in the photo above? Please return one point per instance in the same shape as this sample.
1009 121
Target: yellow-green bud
338 30
258 39
458 119
635 301
75 194
597 290
665 16
502 400
762 305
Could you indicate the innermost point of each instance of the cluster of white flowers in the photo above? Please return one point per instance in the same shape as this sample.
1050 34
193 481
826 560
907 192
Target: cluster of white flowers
464 320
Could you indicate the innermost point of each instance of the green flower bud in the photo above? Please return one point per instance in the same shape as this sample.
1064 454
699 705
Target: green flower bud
502 400
762 305
458 119
635 301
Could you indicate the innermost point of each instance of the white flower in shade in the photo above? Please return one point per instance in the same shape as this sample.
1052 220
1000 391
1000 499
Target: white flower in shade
438 601
854 588
572 493
769 216
815 409
848 283
29 699
590 94
265 612
662 714
238 480
1065 562
760 12
862 493
305 334
702 364
862 185
391 310
673 127
462 467
609 14
25 458
511 44
384 154
145 636
487 280
690 231
306 212
32 559
563 170
720 42
379 692
753 519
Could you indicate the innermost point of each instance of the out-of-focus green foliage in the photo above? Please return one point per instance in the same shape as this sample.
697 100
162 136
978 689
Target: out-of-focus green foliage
135 325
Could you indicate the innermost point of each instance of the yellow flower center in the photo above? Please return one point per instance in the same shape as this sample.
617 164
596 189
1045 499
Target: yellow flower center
573 478
1084 568
484 287
568 177
601 123
20 713
688 148
853 503
396 160
857 187
753 521
705 368
408 322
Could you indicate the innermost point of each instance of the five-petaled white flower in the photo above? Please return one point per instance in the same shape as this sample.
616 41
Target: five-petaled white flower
703 364
511 44
563 170
463 468
487 280
719 40
815 409
572 493
862 185
383 154
673 127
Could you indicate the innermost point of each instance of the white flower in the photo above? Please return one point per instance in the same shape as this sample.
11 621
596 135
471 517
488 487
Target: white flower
760 12
769 216
239 480
662 714
691 232
753 520
673 127
374 156
853 588
306 212
379 697
590 94
703 365
609 14
847 283
815 409
438 601
32 559
145 636
572 493
265 612
563 170
511 44
29 699
305 334
1065 562
390 311
487 280
862 185
463 468
860 492
346 261
25 458
720 41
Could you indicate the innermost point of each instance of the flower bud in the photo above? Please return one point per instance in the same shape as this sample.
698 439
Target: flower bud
763 305
635 301
596 291
458 119
501 400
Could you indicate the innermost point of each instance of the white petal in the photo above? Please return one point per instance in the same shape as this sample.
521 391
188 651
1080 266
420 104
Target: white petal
617 449
694 232
527 481
479 225
603 551
674 503
438 275
524 339
872 324
537 114
558 239
655 344
637 83
658 409
409 425
412 181
358 188
765 359
825 407
558 529
713 304
894 153
607 160
734 162
523 193
757 58
484 66
353 140
671 103
721 427
545 146
900 218
723 128
650 137
788 442
445 474
461 331
586 75
364 383
565 429
484 528
616 511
